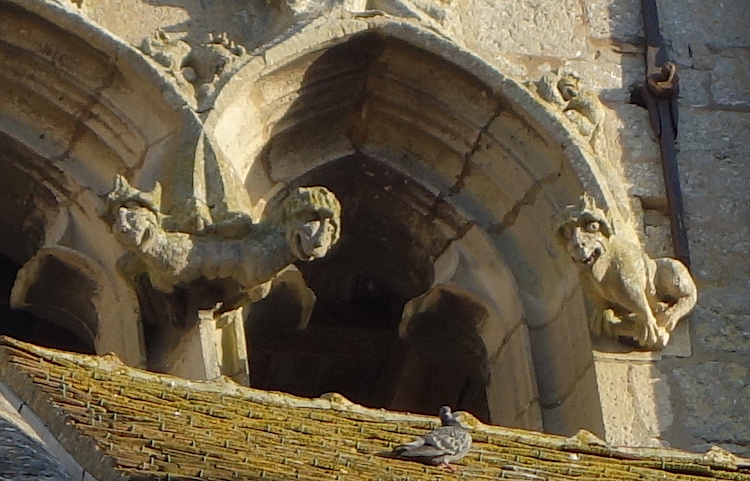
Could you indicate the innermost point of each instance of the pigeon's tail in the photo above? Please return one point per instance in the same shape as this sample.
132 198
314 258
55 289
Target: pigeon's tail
400 450
404 449
425 452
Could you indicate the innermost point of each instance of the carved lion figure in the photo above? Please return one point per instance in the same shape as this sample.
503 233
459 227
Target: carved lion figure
306 226
632 295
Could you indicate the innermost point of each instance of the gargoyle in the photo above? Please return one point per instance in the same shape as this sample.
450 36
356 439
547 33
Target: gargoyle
632 295
305 227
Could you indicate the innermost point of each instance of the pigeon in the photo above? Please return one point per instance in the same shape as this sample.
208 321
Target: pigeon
440 446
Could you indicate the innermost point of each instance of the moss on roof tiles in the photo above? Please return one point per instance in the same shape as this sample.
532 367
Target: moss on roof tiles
150 426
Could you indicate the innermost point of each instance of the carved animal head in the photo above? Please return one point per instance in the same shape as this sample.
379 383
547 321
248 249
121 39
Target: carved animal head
569 85
135 225
312 216
586 232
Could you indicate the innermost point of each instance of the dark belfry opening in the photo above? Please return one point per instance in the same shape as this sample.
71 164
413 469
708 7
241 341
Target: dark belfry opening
28 327
351 343
26 202
447 360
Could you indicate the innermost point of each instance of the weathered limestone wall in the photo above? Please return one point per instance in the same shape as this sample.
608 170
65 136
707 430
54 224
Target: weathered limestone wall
701 399
710 390
701 395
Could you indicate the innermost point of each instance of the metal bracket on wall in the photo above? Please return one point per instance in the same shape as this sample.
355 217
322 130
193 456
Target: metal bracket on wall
660 95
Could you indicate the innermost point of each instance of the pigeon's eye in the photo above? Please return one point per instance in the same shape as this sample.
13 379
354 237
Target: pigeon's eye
593 226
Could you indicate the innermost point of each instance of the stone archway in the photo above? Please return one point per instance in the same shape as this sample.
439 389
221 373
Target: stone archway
485 172
494 168
78 106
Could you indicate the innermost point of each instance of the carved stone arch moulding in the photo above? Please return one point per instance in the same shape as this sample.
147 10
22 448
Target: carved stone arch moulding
125 152
484 147
79 106
443 167
82 304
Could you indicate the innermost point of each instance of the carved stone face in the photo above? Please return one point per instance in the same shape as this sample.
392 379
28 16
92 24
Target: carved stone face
312 235
569 86
585 239
134 225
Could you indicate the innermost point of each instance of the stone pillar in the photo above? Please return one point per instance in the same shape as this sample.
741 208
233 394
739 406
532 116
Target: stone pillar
231 346
196 357
214 346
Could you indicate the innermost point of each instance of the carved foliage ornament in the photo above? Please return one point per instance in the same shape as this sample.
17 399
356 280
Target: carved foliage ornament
631 294
198 67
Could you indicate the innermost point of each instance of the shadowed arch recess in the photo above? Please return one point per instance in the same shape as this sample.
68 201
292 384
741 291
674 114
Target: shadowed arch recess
477 143
78 106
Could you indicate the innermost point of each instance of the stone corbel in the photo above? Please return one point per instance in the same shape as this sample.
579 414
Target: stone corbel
445 298
630 294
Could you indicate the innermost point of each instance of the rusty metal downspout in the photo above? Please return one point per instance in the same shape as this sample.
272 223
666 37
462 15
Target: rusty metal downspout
660 95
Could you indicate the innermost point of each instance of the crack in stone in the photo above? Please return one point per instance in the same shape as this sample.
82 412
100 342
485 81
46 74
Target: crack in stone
534 402
87 112
465 172
506 339
468 156
460 233
529 198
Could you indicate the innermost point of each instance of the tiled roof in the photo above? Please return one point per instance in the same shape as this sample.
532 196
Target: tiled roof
120 422
25 459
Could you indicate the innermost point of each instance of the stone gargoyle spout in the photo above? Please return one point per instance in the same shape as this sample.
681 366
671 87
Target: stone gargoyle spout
305 227
632 295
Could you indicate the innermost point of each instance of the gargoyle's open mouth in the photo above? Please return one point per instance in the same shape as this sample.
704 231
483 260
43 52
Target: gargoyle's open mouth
298 248
592 258
583 257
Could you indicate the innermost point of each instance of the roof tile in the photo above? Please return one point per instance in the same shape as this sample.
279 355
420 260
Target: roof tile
144 425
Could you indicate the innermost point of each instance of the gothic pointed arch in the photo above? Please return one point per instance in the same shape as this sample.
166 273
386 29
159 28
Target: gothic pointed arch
78 107
449 173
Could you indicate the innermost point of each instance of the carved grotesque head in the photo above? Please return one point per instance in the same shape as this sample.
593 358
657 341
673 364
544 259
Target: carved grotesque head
312 216
586 232
135 225
569 85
